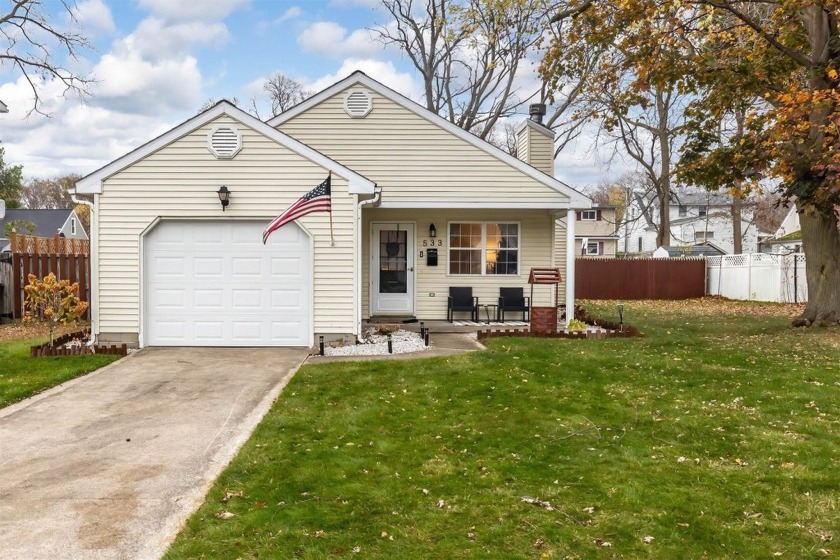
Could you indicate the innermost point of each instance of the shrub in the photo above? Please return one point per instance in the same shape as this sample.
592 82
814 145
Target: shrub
53 301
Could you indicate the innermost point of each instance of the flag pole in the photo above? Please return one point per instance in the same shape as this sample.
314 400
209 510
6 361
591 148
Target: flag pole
332 239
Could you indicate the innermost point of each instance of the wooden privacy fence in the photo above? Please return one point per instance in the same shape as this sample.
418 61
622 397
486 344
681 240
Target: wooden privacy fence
640 278
68 259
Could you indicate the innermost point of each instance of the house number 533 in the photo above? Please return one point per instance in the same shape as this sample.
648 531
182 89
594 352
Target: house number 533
433 243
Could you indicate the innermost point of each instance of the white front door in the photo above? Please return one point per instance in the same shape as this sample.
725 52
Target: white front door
392 268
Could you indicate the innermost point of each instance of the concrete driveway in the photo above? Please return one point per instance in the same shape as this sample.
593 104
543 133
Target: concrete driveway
110 465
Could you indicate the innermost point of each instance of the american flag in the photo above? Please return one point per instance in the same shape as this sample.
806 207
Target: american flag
316 200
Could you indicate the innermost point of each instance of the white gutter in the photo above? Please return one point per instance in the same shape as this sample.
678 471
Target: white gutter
372 202
94 269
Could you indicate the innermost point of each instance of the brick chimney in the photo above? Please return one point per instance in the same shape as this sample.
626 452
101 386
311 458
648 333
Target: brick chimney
535 142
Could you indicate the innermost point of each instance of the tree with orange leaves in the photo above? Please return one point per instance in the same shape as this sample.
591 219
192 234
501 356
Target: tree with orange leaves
774 67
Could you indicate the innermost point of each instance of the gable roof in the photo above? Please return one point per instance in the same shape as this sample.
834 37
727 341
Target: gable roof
3 108
707 249
577 200
92 183
47 222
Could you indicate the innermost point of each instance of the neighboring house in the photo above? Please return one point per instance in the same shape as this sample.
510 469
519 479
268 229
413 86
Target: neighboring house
707 249
695 218
47 223
418 205
788 238
596 232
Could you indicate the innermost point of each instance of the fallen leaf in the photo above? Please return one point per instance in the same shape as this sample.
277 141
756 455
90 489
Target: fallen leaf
603 543
471 536
539 543
224 515
441 504
319 534
648 539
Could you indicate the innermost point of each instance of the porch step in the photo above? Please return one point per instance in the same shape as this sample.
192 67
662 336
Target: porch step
378 320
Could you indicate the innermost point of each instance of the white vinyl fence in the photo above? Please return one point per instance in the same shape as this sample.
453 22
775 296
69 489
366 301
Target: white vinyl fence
758 277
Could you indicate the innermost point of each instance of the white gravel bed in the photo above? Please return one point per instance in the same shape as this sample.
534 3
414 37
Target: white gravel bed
375 344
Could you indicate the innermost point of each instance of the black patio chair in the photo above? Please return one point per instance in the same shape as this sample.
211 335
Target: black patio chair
461 300
513 299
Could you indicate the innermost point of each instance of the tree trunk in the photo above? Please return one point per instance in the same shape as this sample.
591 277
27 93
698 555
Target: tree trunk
821 241
737 239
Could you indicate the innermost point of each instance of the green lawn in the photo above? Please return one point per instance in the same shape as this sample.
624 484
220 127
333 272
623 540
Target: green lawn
22 376
715 436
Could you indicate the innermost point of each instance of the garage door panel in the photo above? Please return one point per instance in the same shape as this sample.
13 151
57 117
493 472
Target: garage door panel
208 268
216 284
208 299
209 331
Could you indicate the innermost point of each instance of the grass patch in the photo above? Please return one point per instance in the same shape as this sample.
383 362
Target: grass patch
22 376
717 435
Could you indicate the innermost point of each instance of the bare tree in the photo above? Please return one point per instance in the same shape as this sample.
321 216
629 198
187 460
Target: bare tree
33 43
468 54
284 92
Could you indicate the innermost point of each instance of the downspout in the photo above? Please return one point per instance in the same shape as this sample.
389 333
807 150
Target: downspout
571 217
94 269
371 203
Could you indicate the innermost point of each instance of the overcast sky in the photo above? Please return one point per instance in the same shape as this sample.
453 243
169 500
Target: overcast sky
156 61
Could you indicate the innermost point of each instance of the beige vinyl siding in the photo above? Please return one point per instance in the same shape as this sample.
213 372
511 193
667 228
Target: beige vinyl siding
411 159
560 247
603 227
180 180
535 251
536 148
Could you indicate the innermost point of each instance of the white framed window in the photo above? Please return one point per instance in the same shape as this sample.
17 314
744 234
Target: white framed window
483 248
701 210
640 244
72 226
589 215
703 235
593 249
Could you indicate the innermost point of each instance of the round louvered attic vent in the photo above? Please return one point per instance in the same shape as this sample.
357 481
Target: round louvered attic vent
224 141
358 103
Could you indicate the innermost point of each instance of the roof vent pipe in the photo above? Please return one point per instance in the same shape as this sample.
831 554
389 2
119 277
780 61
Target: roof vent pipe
537 112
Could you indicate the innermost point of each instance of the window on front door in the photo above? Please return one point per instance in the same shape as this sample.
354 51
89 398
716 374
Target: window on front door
483 248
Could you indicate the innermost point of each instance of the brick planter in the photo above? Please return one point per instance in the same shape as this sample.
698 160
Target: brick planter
543 320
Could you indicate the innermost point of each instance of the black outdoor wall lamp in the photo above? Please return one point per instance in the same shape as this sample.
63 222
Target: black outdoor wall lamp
432 230
224 196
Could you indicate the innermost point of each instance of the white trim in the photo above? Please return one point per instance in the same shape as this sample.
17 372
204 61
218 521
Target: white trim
576 199
92 184
583 217
597 252
477 205
483 249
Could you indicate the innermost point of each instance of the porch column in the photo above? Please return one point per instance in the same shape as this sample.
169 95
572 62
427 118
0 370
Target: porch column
571 252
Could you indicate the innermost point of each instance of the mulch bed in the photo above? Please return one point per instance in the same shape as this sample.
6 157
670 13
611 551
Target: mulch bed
609 329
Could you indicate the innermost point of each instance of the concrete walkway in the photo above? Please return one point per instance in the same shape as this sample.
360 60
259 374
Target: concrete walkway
110 465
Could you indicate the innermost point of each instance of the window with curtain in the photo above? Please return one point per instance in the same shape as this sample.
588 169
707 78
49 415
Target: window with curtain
483 248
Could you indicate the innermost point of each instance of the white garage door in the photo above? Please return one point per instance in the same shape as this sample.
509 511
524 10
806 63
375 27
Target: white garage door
216 284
